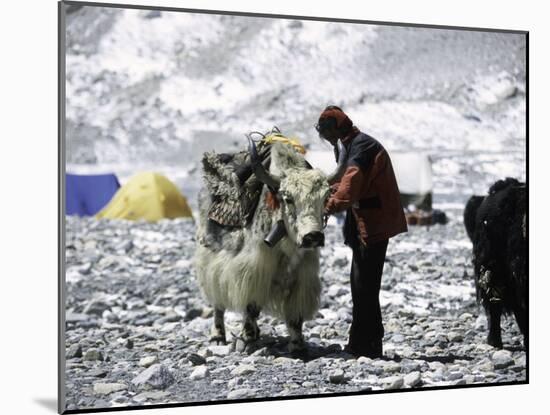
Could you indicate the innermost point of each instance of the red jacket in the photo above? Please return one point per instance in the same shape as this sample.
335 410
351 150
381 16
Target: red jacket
368 186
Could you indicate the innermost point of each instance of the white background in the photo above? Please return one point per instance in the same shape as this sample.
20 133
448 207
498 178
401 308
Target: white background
28 204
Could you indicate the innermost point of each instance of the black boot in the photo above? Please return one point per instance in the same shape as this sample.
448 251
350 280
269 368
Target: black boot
372 350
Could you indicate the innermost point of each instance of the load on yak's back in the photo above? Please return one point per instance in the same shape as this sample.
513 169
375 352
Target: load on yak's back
229 178
259 232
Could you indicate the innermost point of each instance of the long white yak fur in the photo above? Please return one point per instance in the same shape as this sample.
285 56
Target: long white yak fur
284 280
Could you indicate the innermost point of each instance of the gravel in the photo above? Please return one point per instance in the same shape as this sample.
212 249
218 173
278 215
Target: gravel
241 393
199 373
107 388
156 376
148 361
435 334
337 376
413 379
92 355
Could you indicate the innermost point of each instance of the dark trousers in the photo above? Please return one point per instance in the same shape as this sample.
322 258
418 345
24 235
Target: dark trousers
366 330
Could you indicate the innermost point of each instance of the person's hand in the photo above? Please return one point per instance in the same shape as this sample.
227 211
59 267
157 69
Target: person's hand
327 211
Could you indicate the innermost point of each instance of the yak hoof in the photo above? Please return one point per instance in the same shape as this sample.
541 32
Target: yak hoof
496 343
297 346
250 339
250 333
243 345
218 339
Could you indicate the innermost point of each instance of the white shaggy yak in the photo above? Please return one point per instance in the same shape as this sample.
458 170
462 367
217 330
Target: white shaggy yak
245 274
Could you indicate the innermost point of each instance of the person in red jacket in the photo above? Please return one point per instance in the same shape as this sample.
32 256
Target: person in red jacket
365 187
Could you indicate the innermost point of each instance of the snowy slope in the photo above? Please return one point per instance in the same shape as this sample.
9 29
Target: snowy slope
150 90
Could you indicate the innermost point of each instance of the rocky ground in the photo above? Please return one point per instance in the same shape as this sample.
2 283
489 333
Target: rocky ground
137 327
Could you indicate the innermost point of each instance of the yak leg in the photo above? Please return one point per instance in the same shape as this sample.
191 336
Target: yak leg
494 311
218 329
492 302
251 331
296 343
521 319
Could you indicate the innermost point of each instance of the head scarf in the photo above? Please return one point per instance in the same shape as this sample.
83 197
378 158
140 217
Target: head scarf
342 120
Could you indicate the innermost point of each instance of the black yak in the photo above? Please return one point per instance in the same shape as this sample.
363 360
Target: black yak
497 227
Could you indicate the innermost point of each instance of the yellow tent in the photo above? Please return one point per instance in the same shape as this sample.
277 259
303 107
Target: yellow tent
150 196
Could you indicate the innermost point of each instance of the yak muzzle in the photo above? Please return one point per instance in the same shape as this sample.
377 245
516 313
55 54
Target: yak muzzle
313 240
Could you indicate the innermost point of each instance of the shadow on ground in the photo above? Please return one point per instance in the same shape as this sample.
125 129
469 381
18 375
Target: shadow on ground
278 347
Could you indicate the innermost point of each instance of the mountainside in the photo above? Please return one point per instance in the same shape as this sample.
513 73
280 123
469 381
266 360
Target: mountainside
148 89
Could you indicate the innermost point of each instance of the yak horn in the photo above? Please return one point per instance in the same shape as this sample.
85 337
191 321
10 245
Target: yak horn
341 157
259 170
278 232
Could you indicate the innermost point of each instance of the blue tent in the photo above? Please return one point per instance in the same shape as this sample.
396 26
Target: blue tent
87 194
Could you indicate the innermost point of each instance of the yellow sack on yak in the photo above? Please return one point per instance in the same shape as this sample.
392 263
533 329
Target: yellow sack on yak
276 137
150 196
